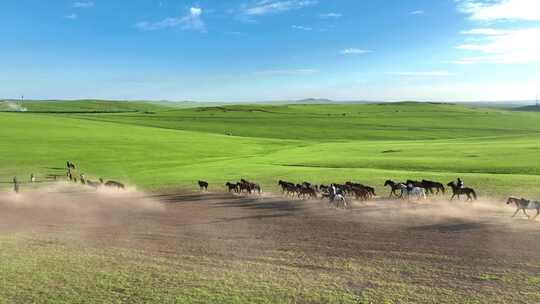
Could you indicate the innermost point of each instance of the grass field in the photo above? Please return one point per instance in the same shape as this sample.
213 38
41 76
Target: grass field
154 146
69 244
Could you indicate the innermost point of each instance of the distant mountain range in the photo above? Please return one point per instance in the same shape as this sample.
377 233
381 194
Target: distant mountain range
523 105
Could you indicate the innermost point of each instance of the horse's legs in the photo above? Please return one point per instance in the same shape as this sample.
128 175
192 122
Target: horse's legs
537 213
524 212
515 213
452 198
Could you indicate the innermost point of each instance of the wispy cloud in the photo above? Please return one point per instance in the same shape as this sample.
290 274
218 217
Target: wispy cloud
266 7
192 22
331 15
417 12
72 16
302 28
83 4
354 51
294 72
493 10
422 74
486 31
503 46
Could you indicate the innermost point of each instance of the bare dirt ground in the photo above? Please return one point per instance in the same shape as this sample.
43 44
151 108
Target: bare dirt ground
466 245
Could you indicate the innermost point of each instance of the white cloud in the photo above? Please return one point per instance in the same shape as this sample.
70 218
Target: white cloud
192 22
353 51
503 46
331 15
493 10
302 28
422 74
83 4
72 16
486 31
266 7
417 12
287 72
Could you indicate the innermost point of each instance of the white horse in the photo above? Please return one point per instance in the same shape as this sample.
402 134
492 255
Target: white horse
524 204
337 198
416 192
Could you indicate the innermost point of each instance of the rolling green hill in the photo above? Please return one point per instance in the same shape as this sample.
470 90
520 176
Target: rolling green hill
153 146
84 106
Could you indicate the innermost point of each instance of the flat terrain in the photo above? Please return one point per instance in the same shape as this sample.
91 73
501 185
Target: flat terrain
68 244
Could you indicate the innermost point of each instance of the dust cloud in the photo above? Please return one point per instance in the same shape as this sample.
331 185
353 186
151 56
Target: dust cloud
73 207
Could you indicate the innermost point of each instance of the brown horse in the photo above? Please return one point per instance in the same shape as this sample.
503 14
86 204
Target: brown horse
112 184
369 189
471 195
249 186
307 192
361 193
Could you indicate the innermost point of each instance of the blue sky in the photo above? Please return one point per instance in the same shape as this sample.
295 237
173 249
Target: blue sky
243 50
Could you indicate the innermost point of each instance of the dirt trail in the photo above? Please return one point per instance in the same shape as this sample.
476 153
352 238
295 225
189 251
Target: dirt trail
240 227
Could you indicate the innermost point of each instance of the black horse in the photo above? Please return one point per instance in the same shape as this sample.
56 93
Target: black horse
232 187
203 185
430 185
393 187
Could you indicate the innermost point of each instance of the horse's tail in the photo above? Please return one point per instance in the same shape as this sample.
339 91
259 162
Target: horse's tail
473 194
442 189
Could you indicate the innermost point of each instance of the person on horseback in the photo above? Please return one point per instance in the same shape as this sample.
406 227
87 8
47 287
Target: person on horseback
15 185
333 191
459 183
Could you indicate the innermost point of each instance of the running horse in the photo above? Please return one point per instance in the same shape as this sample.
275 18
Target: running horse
524 204
471 195
203 185
430 185
394 187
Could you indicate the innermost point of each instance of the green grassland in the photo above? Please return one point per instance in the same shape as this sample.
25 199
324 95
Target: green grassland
56 271
154 146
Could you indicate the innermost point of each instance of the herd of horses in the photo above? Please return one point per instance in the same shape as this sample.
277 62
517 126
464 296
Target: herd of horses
337 194
71 175
244 186
340 194
421 189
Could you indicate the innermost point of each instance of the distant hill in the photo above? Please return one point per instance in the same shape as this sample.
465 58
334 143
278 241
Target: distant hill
314 100
535 108
81 106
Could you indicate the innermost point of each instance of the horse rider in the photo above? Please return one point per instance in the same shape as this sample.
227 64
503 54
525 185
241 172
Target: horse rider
459 183
333 191
409 187
15 185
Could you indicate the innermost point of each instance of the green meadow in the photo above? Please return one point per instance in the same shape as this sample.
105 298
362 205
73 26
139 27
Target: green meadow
156 146
162 147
